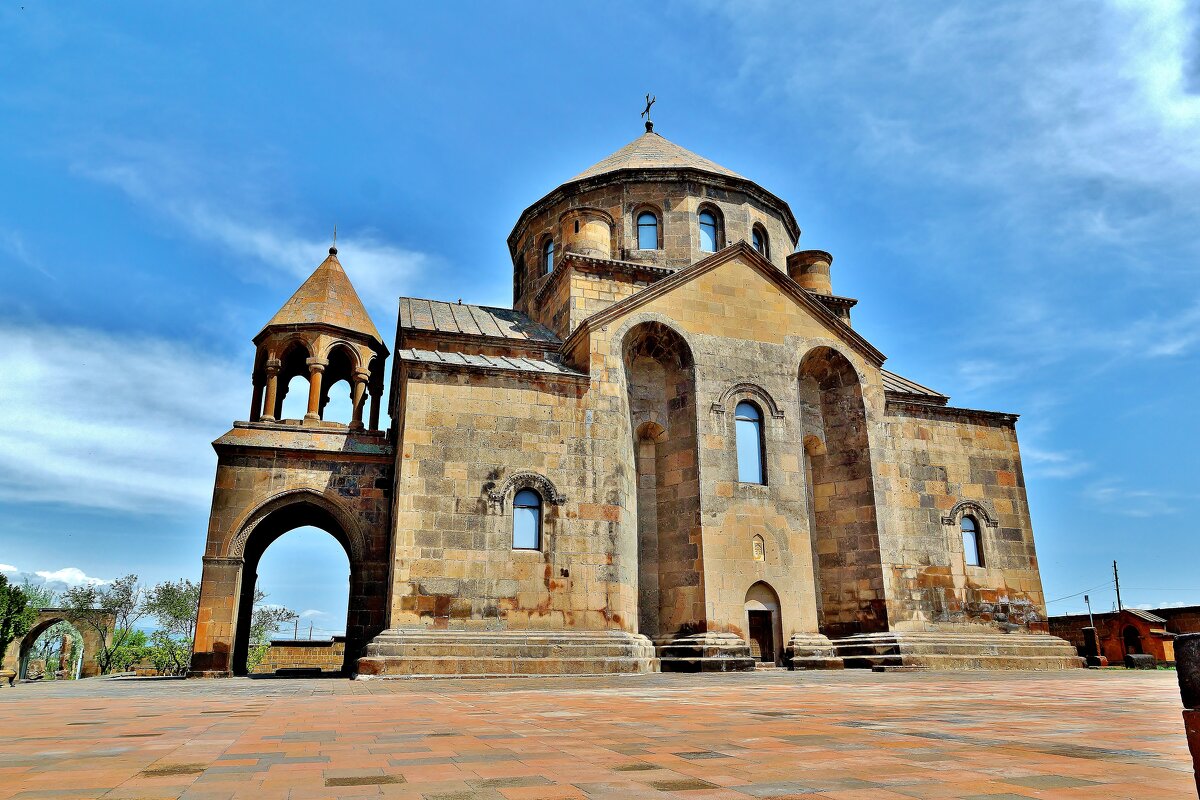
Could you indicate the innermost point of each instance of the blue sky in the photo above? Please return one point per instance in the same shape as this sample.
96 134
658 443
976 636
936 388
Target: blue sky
1011 190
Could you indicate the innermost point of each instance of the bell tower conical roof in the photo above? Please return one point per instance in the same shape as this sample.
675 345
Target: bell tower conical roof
326 298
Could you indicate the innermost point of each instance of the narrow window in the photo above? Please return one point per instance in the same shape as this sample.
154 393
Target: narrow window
548 256
748 427
758 238
970 535
527 520
647 230
708 232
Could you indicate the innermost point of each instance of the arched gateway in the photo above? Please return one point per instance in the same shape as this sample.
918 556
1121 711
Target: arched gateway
18 649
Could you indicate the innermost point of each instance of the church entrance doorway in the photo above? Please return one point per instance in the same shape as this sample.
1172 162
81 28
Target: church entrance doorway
764 627
762 644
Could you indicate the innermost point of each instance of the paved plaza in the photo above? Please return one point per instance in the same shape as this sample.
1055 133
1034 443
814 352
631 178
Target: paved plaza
842 736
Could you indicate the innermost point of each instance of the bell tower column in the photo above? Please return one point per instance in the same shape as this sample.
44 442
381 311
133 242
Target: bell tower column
268 408
316 367
361 376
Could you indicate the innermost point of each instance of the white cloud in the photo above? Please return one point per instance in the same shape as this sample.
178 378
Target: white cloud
72 576
312 612
8 568
111 421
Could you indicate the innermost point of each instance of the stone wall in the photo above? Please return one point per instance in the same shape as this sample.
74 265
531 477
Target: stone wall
286 654
938 464
470 440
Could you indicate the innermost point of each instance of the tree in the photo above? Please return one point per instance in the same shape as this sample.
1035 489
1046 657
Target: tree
264 621
174 604
17 614
121 600
134 648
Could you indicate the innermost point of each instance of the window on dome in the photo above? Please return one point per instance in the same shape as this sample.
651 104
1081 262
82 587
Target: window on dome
647 230
758 237
548 256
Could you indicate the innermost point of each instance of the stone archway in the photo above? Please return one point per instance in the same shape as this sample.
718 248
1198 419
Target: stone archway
14 656
228 585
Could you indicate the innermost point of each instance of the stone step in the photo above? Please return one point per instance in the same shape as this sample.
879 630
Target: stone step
440 653
950 650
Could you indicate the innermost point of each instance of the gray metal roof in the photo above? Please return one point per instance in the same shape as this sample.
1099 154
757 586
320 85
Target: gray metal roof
895 383
508 363
435 316
1146 615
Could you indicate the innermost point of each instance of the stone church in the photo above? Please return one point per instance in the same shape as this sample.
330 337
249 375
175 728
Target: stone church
674 452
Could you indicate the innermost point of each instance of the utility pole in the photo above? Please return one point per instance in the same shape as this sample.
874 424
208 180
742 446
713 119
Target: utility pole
1117 581
1091 619
296 630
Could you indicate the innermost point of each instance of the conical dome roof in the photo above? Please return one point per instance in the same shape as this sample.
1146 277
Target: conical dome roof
649 151
326 298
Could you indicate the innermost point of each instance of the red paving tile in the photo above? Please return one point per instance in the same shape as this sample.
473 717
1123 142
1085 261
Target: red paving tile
821 736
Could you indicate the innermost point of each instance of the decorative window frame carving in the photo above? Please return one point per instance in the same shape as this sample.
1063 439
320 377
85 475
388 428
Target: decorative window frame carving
746 391
526 480
974 508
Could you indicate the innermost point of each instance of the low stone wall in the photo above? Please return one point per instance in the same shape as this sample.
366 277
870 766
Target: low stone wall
328 655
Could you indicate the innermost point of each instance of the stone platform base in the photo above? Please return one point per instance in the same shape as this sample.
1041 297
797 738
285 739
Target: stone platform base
705 652
811 651
967 650
401 653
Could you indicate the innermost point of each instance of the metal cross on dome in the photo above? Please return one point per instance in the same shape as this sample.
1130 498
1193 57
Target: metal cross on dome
649 102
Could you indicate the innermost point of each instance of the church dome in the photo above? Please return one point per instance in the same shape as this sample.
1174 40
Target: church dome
651 203
653 151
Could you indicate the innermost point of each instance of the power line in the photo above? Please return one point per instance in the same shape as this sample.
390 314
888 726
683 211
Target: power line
1085 591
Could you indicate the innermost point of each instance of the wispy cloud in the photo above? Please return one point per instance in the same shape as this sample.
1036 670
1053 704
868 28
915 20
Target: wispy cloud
312 612
1114 496
171 185
111 421
14 244
1052 463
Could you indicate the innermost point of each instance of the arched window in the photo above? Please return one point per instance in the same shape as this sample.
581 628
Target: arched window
758 237
972 551
709 231
527 520
647 230
548 256
748 428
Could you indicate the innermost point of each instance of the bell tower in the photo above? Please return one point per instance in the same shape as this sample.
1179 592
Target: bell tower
324 334
275 475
